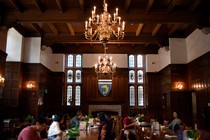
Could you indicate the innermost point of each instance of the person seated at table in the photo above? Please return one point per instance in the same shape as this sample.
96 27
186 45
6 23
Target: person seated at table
33 132
54 131
105 127
75 121
174 125
128 124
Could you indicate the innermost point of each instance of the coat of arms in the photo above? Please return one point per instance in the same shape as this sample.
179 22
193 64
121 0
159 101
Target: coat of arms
105 86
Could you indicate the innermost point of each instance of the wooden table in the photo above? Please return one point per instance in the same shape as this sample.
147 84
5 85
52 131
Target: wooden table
146 133
91 134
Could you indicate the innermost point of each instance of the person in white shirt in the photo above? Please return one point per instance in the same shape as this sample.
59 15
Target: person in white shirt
54 132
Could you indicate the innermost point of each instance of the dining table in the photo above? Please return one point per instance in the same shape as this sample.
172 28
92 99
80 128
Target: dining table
149 133
87 134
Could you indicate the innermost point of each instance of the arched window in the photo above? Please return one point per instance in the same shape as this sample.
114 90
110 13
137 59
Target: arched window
78 76
70 60
131 76
139 61
131 61
132 95
140 96
140 76
69 94
78 60
69 76
77 96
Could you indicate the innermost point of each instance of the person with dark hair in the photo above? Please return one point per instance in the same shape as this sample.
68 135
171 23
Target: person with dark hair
54 131
76 119
33 132
128 123
174 125
105 127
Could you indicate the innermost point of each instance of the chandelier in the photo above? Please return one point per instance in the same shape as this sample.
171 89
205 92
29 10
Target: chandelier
105 64
105 26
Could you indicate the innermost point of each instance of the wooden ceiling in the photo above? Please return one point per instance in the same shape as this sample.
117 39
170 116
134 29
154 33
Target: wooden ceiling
149 23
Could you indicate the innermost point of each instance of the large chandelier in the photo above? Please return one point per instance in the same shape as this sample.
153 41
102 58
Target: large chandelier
105 64
104 25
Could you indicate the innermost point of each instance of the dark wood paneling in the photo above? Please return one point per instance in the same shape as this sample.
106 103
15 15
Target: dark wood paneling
118 94
199 80
12 88
181 102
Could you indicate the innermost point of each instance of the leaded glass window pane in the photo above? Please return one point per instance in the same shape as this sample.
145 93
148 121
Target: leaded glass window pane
140 76
131 61
69 95
132 95
139 61
77 96
131 76
78 76
70 60
78 61
69 76
140 96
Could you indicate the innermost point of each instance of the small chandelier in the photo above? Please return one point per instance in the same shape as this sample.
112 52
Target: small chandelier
105 64
104 23
1 81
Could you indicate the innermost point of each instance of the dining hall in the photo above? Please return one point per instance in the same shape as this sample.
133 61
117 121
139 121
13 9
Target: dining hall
105 69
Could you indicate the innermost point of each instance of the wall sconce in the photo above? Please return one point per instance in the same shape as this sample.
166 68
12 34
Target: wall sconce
179 86
1 81
29 85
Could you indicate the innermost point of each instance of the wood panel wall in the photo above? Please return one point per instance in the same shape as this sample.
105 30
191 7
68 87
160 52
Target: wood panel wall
199 81
117 96
3 56
12 89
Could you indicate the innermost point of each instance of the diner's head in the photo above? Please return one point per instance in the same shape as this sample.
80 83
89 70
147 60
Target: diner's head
56 118
102 116
79 114
39 124
175 115
132 115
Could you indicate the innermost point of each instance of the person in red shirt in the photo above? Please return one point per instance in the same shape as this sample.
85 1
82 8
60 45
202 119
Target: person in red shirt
128 123
33 132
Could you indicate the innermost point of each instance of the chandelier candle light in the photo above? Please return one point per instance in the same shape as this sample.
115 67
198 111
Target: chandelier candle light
105 64
104 24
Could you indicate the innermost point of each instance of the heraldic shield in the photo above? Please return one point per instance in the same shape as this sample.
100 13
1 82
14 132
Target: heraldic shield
105 86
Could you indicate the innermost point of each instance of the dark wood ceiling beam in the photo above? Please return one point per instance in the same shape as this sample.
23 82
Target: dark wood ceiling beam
173 29
17 5
194 5
71 29
39 5
60 5
172 5
50 39
156 29
139 29
81 4
37 28
113 48
53 28
137 17
149 5
19 28
127 5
